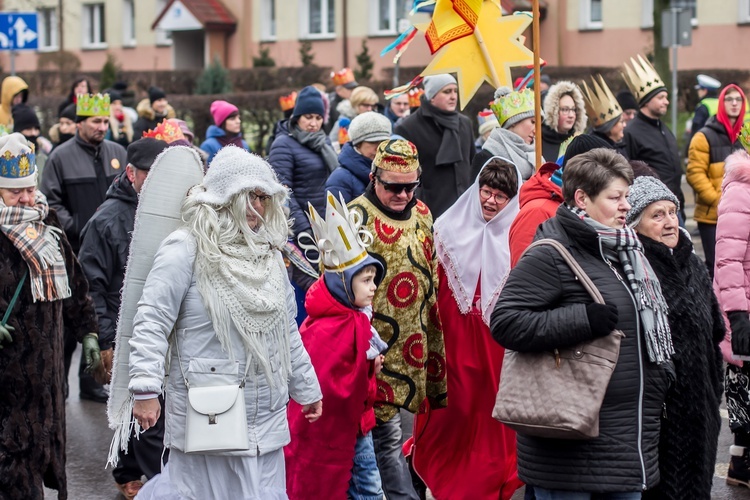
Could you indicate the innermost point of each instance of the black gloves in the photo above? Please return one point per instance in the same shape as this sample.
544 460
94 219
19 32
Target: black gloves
602 318
740 323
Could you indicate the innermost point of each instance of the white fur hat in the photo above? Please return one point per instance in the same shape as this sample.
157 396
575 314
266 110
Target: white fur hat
234 170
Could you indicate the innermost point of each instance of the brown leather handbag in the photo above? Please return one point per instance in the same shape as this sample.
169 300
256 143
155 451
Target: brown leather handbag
558 394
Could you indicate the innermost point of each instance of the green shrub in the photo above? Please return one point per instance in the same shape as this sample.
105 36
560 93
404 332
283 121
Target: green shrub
214 80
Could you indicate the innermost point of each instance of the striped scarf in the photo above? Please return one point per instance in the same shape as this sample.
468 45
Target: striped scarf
652 308
39 246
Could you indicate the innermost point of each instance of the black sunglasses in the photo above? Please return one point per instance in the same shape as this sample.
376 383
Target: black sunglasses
398 187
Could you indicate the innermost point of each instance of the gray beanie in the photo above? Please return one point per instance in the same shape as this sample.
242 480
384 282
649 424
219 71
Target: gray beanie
369 127
434 84
645 191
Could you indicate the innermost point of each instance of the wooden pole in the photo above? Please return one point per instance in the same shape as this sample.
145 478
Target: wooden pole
487 58
537 89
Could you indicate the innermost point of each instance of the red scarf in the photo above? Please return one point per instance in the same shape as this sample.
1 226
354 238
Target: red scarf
733 129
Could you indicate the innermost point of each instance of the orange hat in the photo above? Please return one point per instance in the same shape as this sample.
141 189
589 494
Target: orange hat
344 77
287 101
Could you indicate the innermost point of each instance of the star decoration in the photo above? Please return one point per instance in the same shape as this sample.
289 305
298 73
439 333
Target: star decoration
503 41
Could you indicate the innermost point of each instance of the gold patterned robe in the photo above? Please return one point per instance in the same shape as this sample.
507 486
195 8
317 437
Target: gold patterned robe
405 310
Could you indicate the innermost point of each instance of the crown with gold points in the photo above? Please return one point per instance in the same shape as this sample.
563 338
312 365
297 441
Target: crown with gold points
744 136
601 104
167 131
342 77
338 236
415 98
287 102
92 105
513 103
641 78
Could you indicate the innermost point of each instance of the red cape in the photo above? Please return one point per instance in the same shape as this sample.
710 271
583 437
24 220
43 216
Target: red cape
320 456
461 452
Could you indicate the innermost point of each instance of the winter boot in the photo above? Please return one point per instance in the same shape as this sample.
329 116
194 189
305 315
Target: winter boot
739 466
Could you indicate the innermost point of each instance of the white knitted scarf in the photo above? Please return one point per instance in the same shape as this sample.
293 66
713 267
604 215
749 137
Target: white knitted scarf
235 289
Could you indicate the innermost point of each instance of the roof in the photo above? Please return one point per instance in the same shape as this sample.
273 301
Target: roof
212 14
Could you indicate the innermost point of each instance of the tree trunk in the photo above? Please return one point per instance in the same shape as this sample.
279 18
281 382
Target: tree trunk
661 54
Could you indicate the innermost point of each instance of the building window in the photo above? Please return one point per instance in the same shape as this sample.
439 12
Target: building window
47 20
128 23
268 20
385 16
744 17
317 18
162 37
94 36
591 14
647 14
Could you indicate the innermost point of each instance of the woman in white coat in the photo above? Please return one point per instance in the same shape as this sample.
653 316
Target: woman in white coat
219 283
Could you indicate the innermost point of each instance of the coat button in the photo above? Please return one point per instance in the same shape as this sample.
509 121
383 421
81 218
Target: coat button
213 369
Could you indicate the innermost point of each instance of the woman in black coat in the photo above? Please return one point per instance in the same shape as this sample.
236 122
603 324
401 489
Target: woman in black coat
543 307
691 420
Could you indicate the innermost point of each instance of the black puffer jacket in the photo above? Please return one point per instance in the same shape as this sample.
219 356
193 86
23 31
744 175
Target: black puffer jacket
105 245
690 431
543 307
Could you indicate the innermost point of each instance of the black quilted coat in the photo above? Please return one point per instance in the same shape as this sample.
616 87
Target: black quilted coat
690 429
543 307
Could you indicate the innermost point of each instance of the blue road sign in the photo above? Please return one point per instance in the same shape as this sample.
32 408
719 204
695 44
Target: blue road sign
18 31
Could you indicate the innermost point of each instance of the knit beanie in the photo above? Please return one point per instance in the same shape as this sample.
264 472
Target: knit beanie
309 101
582 144
143 152
645 191
626 100
114 95
369 127
155 93
69 112
17 162
220 110
24 117
234 170
434 84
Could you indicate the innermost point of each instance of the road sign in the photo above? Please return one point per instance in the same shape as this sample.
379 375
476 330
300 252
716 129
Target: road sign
18 31
677 27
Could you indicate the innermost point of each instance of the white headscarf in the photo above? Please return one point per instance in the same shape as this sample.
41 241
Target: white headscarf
462 234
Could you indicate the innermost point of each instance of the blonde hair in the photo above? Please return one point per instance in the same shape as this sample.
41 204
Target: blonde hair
363 95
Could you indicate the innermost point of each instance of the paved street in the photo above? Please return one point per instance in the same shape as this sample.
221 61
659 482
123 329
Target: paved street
89 438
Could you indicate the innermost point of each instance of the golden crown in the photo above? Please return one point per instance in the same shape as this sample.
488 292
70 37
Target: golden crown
601 104
641 78
167 131
92 105
342 77
287 102
744 136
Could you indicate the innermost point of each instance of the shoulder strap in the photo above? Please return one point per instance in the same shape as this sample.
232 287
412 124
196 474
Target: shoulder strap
578 271
12 303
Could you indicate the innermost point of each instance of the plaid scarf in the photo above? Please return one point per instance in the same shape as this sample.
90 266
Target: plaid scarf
625 246
39 245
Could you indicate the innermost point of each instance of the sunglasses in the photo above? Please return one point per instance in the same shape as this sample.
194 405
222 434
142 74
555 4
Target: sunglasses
397 187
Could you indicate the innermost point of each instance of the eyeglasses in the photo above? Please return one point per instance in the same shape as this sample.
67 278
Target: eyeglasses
568 111
368 106
499 198
733 100
263 198
398 187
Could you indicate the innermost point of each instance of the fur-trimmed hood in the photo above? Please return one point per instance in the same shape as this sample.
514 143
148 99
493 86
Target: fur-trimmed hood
736 169
552 105
345 109
145 110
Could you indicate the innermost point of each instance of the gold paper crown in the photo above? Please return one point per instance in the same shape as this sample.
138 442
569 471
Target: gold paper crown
342 77
415 98
513 104
744 136
601 104
287 101
166 131
92 105
339 237
641 78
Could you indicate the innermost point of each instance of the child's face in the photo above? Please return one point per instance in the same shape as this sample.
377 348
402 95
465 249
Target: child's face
363 286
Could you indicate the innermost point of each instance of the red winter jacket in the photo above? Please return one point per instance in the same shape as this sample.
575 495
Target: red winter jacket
539 198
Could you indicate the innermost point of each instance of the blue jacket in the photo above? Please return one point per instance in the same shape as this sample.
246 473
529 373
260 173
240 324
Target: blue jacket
304 172
352 177
212 145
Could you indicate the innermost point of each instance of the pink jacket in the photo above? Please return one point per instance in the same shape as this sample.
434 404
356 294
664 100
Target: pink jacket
732 272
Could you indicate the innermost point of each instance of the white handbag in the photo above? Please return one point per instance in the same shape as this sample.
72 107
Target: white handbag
216 417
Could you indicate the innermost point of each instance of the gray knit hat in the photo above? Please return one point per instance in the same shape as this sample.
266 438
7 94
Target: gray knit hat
645 191
434 84
369 127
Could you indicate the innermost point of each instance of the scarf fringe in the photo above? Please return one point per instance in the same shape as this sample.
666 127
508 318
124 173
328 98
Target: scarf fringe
123 424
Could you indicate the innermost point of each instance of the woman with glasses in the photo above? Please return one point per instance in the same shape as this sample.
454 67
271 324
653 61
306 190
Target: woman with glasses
461 451
362 100
564 118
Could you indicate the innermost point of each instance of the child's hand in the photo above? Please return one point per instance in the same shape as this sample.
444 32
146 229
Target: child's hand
379 360
313 411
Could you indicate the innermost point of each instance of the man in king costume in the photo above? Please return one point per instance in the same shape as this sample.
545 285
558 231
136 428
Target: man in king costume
405 304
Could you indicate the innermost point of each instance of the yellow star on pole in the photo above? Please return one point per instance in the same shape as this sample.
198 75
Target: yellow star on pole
486 56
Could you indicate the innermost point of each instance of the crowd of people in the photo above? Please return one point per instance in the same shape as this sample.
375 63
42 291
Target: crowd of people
375 263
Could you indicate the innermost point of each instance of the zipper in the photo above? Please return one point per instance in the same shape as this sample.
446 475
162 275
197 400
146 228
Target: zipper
640 370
